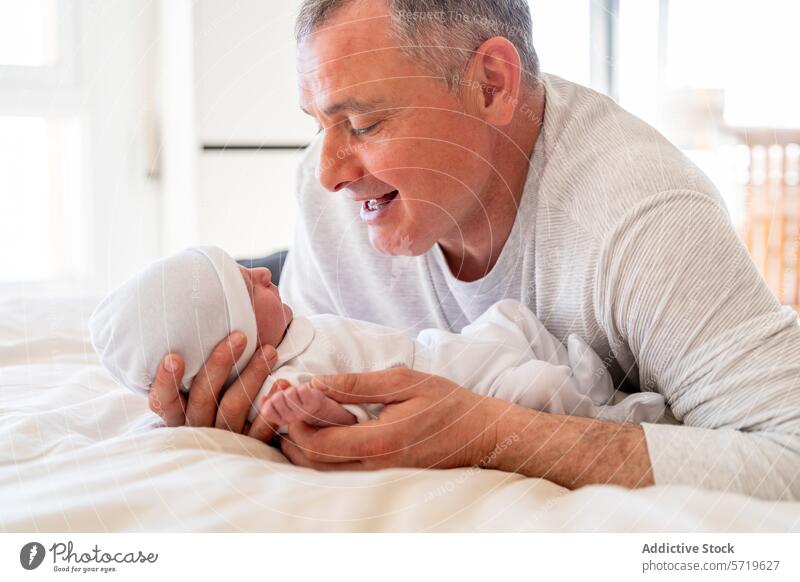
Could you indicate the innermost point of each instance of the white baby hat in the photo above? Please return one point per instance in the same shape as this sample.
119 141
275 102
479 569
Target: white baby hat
186 304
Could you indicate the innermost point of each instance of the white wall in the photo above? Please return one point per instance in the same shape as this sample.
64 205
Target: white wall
247 203
246 78
118 51
247 95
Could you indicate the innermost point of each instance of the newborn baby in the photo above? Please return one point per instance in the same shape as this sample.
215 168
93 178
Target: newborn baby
188 302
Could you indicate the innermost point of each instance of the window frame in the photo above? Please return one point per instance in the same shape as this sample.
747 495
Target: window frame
53 92
64 74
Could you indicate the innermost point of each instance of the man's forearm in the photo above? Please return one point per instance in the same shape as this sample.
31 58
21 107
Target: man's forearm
568 450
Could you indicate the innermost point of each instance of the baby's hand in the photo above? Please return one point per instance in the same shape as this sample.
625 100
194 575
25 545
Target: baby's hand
293 403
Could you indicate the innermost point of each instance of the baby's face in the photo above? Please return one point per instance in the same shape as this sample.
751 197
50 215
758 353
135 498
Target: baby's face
272 315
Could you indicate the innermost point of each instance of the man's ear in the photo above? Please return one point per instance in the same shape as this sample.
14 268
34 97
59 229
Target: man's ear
493 81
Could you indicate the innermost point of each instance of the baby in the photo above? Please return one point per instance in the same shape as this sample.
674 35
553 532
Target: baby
188 302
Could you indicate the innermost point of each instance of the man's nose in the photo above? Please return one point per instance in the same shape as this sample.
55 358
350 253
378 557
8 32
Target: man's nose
338 163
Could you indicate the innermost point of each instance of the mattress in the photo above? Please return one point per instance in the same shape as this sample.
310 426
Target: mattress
81 454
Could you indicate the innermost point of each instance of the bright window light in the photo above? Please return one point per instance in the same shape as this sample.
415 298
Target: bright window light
739 58
695 69
41 212
28 33
561 38
747 49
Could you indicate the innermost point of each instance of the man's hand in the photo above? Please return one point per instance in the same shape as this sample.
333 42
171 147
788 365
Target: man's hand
428 422
203 407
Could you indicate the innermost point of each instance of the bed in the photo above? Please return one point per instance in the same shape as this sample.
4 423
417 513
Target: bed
81 454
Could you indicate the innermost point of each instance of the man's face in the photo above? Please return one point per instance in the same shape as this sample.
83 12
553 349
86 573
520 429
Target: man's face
393 134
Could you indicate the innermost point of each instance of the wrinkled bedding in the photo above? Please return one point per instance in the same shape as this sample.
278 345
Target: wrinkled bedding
82 454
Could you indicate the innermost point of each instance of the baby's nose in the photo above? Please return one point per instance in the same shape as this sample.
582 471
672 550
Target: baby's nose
264 276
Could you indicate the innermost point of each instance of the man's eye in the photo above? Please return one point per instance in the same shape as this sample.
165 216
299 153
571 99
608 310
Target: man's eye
363 130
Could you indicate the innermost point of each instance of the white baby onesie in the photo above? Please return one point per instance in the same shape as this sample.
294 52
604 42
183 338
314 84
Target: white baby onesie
506 353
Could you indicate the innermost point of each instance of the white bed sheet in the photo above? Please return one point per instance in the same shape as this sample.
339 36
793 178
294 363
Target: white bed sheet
81 454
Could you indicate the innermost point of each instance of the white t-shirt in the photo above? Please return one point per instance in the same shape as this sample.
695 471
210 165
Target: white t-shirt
621 240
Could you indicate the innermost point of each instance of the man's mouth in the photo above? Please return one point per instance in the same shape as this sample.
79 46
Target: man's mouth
377 204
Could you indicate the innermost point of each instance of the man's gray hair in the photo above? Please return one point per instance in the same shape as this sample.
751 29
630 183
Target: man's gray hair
442 35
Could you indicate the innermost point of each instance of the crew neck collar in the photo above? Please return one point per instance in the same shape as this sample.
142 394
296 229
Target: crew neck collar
298 337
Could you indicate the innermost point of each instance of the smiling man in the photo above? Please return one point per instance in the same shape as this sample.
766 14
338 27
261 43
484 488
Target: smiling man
451 173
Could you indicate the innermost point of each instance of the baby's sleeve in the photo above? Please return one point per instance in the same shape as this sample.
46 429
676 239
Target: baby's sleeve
508 353
363 412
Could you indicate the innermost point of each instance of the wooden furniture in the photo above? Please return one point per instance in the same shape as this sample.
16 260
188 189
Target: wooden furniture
772 225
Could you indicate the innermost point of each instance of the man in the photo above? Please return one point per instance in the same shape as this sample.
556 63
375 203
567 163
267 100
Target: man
451 173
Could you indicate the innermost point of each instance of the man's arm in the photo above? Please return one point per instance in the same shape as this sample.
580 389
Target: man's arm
569 450
679 297
430 422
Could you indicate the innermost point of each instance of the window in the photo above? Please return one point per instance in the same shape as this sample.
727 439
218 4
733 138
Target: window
40 209
751 60
562 38
41 145
707 73
733 60
28 33
718 78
